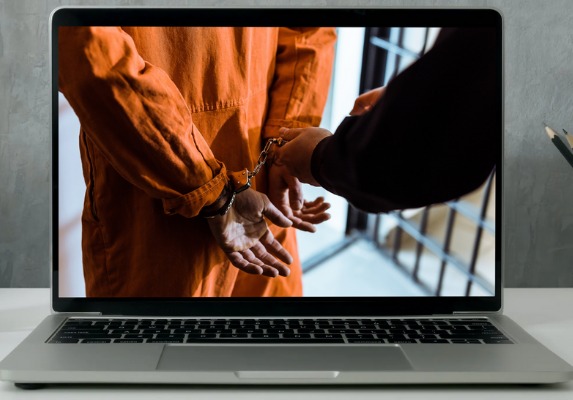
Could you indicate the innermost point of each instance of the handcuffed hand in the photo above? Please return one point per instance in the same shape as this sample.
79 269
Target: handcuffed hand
245 238
285 192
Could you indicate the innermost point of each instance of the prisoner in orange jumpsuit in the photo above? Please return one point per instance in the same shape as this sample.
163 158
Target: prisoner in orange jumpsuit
165 114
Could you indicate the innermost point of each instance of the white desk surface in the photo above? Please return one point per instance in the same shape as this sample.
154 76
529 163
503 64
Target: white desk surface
547 314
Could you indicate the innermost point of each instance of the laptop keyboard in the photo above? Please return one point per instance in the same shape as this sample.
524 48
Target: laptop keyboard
383 331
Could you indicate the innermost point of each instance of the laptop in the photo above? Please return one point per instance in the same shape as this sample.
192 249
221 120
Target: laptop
383 323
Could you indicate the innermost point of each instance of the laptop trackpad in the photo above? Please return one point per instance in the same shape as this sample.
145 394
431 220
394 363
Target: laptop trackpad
276 361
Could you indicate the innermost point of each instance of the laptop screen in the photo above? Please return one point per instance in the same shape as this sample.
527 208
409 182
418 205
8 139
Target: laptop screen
310 161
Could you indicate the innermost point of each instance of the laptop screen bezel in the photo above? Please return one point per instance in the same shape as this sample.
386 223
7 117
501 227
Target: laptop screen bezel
257 306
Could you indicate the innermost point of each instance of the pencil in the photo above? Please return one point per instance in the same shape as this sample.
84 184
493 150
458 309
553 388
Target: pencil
562 147
569 138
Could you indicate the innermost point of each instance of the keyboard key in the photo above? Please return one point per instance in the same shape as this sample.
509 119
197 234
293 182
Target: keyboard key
216 330
422 336
64 341
497 341
96 341
328 335
233 335
470 335
296 335
343 331
401 341
201 336
249 331
367 341
84 330
187 330
463 341
433 341
280 330
64 335
359 336
170 336
265 335
140 336
393 337
128 341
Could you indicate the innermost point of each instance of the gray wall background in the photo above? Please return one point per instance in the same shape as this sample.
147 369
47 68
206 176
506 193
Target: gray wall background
538 184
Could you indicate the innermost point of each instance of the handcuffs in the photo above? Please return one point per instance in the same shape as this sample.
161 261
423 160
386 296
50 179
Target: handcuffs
239 181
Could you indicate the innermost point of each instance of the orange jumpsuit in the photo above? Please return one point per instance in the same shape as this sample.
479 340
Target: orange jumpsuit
165 113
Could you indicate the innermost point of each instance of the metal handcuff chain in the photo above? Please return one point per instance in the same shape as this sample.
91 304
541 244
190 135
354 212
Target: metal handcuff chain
265 153
241 180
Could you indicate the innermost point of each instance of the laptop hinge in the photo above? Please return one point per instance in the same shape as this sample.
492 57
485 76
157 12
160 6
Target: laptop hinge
475 312
81 314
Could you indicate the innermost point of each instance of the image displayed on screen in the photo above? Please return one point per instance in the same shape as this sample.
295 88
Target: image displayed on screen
277 162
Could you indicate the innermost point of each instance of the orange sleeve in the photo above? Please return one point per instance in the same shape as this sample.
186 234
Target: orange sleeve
303 69
136 116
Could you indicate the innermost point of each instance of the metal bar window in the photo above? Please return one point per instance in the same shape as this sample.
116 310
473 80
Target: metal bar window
442 249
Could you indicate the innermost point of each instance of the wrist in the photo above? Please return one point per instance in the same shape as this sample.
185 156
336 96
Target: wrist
221 205
238 181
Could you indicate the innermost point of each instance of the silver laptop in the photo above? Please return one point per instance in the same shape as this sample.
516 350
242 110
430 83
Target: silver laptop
404 297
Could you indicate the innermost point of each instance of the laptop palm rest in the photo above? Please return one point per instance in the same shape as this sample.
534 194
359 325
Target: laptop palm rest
280 361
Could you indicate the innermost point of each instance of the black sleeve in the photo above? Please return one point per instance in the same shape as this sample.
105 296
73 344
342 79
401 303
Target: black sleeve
434 135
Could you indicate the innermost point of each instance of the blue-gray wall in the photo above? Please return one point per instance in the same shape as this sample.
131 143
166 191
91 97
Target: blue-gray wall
538 182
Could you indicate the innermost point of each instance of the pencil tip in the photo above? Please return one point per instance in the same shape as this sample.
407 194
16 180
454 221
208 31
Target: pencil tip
549 132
